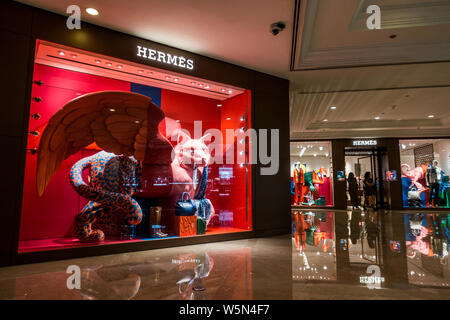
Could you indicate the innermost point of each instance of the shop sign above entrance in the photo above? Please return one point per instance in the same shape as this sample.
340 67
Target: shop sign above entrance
164 57
364 142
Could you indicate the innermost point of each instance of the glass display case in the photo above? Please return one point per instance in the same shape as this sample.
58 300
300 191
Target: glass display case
311 173
122 152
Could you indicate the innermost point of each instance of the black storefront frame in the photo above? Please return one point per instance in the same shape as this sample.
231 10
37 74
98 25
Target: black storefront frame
22 25
393 189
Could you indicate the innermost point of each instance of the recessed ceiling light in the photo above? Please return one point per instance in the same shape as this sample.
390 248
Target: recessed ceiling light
150 73
61 53
193 82
97 61
140 71
167 77
92 11
223 90
207 86
112 110
325 120
201 85
333 108
431 116
109 64
230 91
377 118
119 66
219 105
73 56
228 118
175 79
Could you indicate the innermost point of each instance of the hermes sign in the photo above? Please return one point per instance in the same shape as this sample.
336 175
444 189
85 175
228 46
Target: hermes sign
364 142
163 57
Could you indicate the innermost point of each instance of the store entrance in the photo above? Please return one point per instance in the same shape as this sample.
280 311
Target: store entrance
367 166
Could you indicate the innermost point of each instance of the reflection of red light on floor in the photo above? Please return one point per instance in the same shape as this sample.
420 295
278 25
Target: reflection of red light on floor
71 242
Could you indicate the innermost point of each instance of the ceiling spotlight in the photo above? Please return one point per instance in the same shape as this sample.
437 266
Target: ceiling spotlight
228 118
219 105
97 61
315 154
320 148
333 108
109 64
167 77
326 154
136 121
119 66
377 118
175 79
73 56
431 116
150 73
61 53
325 120
223 90
208 86
112 110
200 85
92 11
230 91
193 82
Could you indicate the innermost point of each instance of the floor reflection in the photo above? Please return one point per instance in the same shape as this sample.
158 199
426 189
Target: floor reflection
328 255
376 250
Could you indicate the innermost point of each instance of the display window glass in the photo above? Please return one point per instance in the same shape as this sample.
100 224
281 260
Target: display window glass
311 173
123 152
425 169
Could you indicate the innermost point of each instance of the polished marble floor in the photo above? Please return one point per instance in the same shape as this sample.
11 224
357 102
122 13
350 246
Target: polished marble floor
329 255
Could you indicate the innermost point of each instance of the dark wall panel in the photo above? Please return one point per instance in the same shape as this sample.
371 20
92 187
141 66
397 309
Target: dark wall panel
272 193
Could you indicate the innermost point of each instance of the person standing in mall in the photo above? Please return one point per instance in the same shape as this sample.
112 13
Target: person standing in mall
369 191
353 190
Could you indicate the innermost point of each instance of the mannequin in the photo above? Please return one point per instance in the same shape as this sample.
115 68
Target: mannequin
434 178
296 182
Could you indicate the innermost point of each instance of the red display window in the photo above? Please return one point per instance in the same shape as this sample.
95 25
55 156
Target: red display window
113 145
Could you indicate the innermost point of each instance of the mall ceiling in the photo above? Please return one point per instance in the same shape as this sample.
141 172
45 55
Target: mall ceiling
400 73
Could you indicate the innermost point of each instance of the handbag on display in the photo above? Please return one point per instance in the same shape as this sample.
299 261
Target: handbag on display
185 207
413 194
201 225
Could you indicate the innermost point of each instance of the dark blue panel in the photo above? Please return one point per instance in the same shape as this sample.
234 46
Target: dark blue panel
151 92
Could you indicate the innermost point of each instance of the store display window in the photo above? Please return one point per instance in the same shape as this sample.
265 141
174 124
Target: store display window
425 166
311 173
120 152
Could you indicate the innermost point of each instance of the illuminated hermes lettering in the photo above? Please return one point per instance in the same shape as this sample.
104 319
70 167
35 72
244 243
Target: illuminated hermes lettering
171 59
152 54
163 55
168 58
364 142
142 52
190 64
181 61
